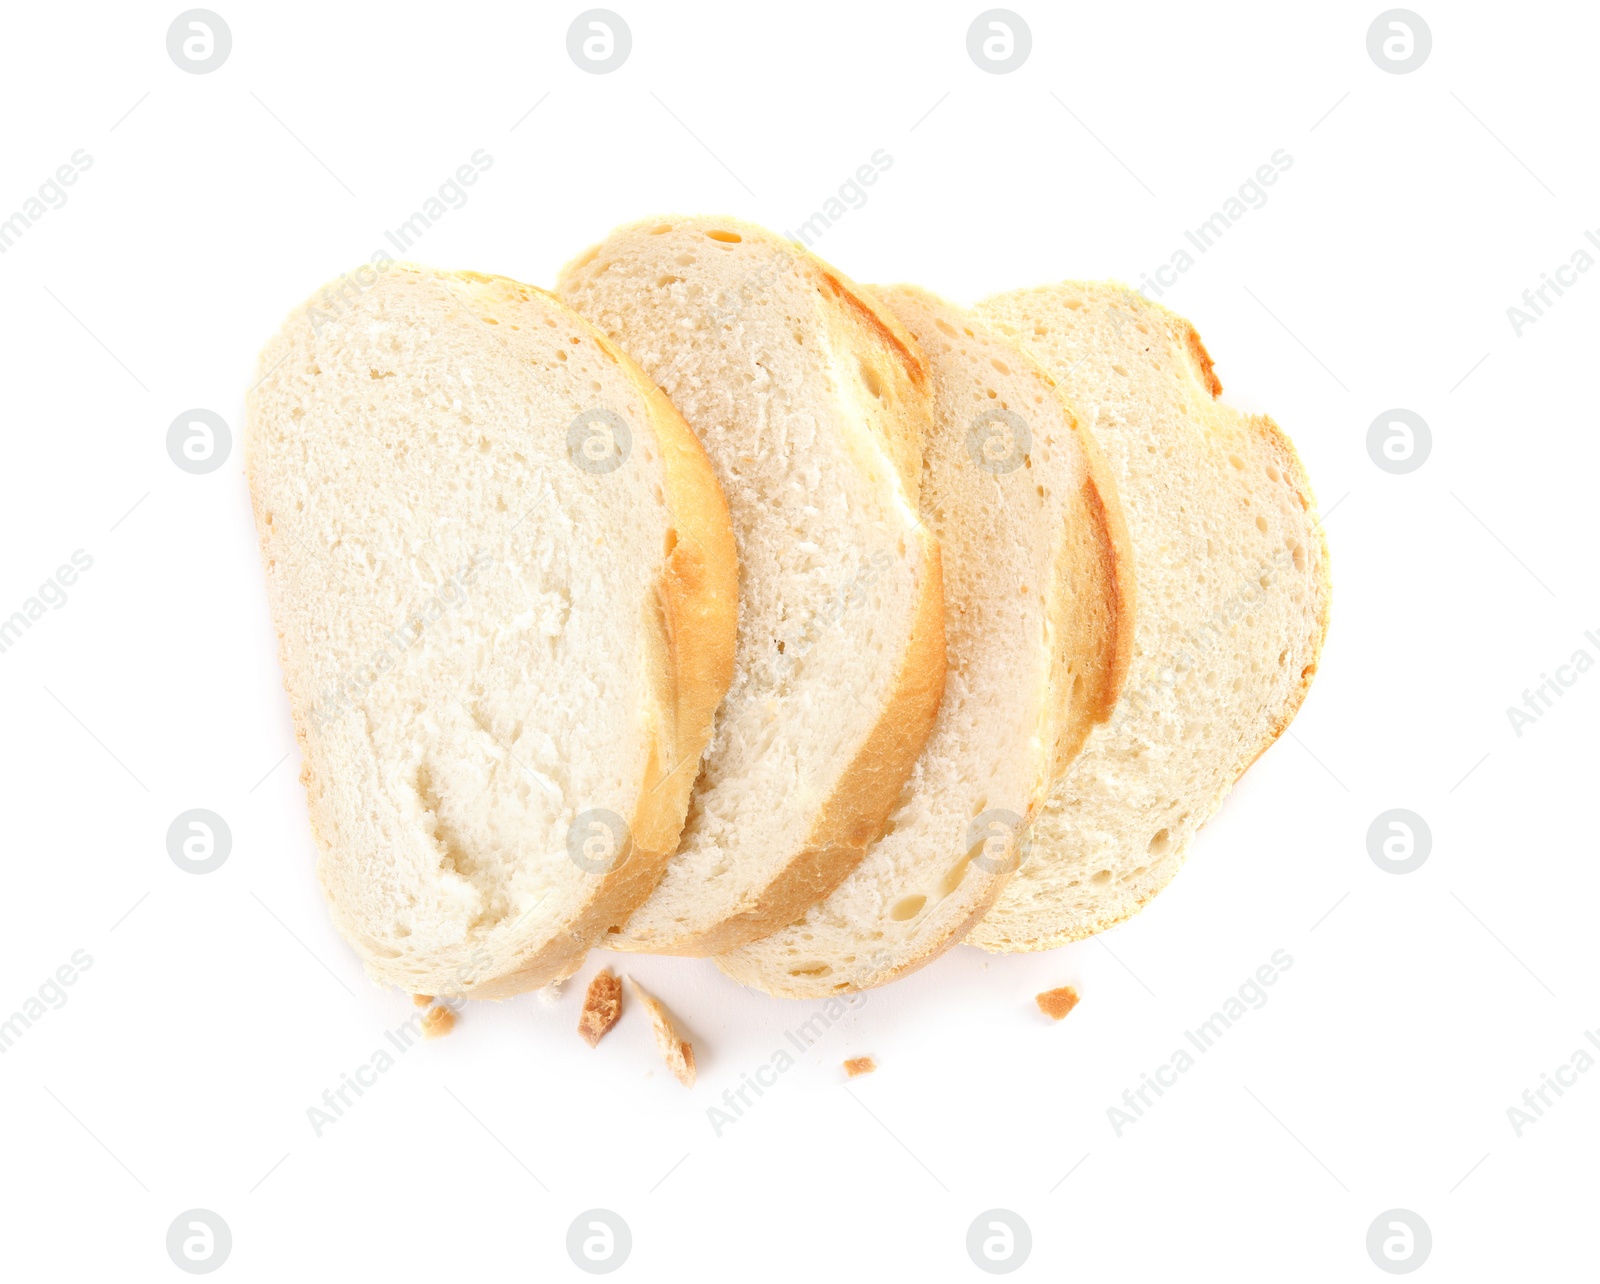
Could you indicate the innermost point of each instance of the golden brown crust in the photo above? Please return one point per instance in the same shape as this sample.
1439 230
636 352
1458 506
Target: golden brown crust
602 1005
1056 1003
902 416
1096 575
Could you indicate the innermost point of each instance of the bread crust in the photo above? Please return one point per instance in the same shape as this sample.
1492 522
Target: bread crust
691 643
1100 585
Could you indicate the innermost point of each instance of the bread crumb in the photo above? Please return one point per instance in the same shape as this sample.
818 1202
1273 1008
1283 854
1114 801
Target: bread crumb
859 1065
422 1000
437 1022
676 1051
602 1005
550 994
1055 1004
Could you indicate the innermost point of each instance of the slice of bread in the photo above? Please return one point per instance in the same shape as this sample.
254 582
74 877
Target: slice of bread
502 575
1039 630
811 402
1233 582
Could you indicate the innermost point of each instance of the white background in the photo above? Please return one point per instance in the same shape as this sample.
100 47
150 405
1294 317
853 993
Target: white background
219 1007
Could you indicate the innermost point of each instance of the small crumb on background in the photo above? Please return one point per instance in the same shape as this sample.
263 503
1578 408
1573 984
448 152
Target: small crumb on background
676 1051
1055 1004
602 1005
422 1000
859 1065
437 1022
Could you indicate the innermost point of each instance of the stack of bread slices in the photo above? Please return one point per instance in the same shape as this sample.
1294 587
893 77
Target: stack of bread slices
716 605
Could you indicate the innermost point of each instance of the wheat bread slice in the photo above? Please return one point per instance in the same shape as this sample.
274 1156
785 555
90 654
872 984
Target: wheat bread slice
1233 581
810 400
1039 627
502 575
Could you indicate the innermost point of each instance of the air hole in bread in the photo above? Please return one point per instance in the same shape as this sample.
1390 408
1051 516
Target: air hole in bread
1121 370
1261 523
660 229
815 969
1000 365
1075 304
907 907
663 281
1101 878
957 872
1236 462
874 383
1272 472
945 327
727 238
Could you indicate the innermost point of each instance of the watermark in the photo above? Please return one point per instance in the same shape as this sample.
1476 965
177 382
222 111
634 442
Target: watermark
599 441
1540 700
851 195
199 441
199 41
844 601
1003 839
599 41
1250 996
1398 1241
1399 841
737 1100
1399 41
50 195
999 41
1200 640
199 841
1537 1100
199 1241
1537 300
51 996
52 594
999 1241
1399 441
599 841
998 440
339 298
337 1101
599 1241
1249 195
353 684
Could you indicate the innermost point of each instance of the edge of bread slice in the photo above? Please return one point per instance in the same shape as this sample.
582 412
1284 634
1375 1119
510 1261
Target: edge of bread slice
1039 608
1234 590
502 574
810 400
